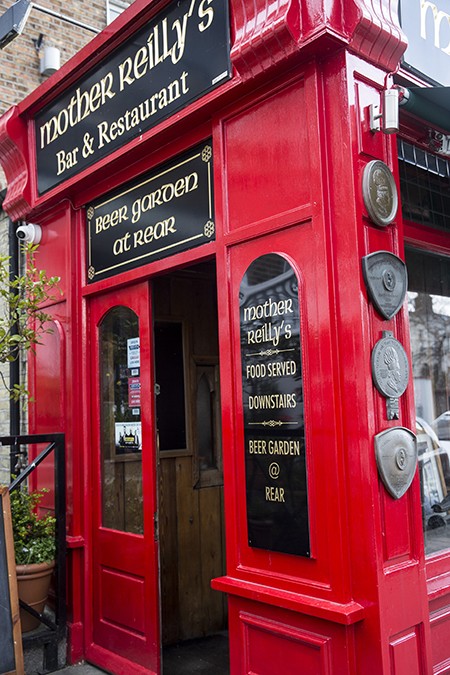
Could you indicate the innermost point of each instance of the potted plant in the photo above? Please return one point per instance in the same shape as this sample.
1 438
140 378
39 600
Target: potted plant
34 547
22 322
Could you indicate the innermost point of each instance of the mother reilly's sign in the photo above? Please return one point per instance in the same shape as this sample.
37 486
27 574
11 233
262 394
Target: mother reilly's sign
170 62
272 392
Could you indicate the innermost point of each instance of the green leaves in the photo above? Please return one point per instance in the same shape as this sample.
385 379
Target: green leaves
22 316
34 537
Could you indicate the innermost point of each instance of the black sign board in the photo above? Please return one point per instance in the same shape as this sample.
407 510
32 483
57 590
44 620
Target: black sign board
272 385
11 656
163 213
180 55
427 27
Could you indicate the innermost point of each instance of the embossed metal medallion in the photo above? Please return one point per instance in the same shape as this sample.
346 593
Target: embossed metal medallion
379 192
396 455
386 280
390 367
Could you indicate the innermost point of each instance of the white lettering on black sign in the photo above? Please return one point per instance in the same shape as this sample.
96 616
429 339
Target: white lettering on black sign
272 385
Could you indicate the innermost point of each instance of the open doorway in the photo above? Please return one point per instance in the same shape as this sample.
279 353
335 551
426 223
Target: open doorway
191 518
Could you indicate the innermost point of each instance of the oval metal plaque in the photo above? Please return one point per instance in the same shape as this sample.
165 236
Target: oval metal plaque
379 192
390 367
396 455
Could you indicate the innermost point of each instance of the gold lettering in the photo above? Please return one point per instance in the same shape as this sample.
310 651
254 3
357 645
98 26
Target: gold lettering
80 106
66 160
163 195
110 131
140 66
153 232
206 13
122 244
178 47
257 447
274 494
112 219
125 73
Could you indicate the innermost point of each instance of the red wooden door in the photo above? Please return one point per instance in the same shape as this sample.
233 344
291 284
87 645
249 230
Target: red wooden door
124 628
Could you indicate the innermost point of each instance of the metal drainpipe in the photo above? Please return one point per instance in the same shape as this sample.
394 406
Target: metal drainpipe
14 366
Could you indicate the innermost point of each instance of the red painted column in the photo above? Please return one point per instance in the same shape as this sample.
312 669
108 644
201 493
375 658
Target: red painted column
291 140
359 604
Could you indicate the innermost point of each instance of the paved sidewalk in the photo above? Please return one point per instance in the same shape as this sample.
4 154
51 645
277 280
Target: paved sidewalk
81 669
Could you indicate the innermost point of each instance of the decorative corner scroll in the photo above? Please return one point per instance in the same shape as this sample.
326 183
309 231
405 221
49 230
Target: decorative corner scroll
377 34
265 34
268 32
14 164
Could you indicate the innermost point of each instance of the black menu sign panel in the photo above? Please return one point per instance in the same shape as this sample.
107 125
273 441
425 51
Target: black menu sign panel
165 212
272 384
173 60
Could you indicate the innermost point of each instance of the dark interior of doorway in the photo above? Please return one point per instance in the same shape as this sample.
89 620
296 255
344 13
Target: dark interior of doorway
191 518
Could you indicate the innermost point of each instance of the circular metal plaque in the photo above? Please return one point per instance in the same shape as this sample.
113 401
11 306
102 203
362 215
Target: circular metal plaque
390 367
379 192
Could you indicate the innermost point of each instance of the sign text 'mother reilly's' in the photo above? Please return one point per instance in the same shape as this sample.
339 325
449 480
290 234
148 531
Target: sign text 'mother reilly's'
176 58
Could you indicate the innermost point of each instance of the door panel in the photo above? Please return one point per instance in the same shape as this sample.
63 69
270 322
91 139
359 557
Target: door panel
125 621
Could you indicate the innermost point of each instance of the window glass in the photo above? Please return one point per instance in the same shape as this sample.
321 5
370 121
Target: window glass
207 434
429 316
115 7
121 437
425 186
170 401
205 417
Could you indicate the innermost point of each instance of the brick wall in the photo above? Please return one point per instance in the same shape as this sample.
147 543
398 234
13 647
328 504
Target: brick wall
19 61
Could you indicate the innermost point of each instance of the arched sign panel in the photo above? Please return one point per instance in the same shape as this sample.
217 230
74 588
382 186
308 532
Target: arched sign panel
272 385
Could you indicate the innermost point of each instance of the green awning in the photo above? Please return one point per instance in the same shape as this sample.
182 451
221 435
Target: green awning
431 104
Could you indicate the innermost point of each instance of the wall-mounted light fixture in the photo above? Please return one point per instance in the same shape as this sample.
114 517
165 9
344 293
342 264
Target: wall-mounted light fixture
386 118
428 104
50 57
50 60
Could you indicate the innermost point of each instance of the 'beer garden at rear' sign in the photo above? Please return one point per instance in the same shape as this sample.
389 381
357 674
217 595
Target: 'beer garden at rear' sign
173 60
162 213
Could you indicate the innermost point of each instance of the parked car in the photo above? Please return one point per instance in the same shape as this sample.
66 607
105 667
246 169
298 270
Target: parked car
434 468
441 426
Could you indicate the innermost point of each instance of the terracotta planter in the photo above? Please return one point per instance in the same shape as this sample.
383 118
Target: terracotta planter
33 583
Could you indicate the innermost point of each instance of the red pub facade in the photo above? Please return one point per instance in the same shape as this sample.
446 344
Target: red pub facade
255 422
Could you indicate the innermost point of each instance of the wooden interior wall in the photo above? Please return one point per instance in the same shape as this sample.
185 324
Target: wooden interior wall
191 526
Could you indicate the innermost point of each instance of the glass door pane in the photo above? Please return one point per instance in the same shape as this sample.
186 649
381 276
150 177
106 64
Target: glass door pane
429 318
121 431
